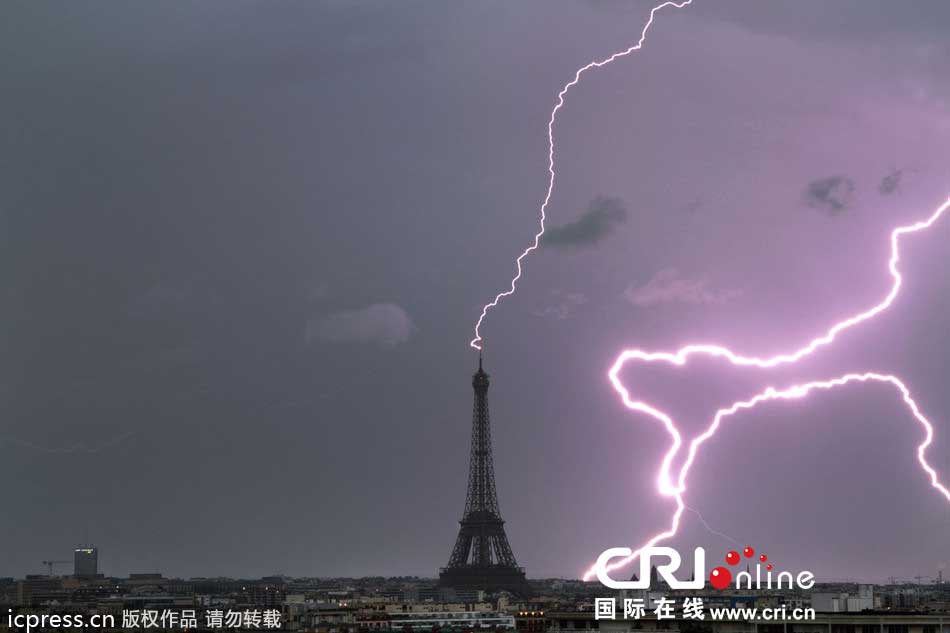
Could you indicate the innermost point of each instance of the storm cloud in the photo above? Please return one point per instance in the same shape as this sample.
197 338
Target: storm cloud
270 229
831 194
891 182
385 324
601 218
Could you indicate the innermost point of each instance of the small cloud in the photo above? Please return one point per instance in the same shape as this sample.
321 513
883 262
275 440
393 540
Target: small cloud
668 287
891 182
385 324
563 305
832 194
602 216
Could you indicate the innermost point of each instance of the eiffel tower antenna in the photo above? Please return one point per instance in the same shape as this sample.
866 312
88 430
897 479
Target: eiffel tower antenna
482 557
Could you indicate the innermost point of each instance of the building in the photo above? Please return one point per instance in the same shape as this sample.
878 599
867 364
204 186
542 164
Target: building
466 620
531 622
845 602
36 590
86 562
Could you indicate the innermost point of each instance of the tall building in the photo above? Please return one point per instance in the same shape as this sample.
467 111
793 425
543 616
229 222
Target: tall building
482 557
86 562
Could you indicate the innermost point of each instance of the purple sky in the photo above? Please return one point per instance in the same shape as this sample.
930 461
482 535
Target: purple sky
245 244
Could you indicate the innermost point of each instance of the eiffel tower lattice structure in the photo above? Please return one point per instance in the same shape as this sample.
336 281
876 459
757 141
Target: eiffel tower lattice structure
482 557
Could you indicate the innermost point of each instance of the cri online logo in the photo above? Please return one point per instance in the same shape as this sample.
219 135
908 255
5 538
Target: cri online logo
720 577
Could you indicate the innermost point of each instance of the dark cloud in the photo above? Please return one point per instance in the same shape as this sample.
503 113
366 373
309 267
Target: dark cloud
845 21
891 182
602 216
831 194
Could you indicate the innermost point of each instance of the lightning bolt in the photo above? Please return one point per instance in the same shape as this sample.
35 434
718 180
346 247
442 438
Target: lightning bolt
709 528
477 341
681 356
771 393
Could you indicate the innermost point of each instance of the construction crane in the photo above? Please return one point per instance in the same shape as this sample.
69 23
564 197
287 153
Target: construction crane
49 564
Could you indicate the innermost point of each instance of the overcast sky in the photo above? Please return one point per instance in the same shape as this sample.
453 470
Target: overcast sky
243 246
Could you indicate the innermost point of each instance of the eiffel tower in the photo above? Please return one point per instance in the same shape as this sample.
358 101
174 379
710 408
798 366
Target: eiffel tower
482 558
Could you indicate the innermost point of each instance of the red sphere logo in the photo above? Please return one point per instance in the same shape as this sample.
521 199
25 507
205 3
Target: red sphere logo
720 577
